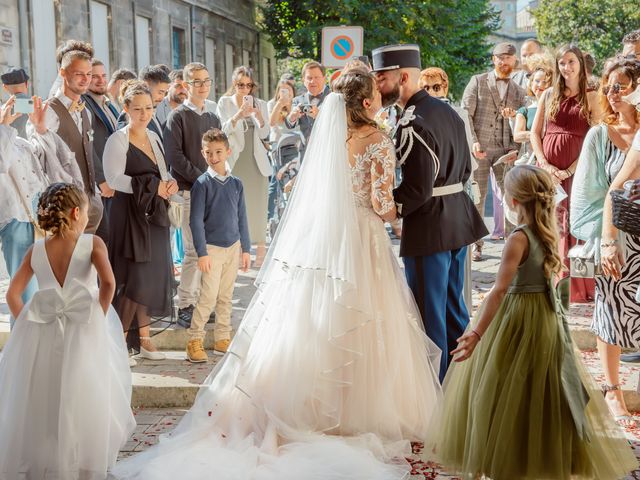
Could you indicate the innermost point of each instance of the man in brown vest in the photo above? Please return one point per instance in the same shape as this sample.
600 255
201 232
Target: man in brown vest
68 117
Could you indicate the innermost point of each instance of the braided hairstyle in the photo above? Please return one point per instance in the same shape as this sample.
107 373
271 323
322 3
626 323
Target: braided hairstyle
356 84
534 190
55 205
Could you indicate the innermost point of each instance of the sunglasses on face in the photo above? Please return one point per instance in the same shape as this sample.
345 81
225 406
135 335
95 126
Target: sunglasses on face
615 88
435 88
201 83
245 85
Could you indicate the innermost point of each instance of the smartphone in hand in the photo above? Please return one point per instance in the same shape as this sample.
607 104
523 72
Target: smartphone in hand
248 100
23 105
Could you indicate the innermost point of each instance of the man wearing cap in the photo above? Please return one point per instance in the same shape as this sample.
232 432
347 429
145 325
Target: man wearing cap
15 82
492 98
439 218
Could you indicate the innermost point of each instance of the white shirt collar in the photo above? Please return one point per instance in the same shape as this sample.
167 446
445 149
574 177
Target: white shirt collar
214 174
192 106
66 101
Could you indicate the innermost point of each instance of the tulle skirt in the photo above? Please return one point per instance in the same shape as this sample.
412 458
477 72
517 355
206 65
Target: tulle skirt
65 393
325 379
505 413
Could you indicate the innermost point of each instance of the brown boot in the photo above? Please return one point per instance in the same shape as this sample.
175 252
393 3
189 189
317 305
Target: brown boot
220 347
195 351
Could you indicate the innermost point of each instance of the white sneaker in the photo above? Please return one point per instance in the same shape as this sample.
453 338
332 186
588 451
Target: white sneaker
151 355
132 362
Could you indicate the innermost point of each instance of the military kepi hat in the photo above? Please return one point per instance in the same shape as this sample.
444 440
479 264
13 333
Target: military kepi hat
391 57
14 76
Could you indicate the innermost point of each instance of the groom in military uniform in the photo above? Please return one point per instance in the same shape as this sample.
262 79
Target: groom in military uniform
439 218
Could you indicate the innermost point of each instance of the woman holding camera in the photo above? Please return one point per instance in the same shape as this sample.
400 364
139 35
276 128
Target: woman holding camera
616 313
246 121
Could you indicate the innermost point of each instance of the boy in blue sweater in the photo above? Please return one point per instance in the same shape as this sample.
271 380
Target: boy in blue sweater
218 221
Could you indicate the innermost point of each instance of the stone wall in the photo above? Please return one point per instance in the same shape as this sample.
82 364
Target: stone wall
9 34
226 22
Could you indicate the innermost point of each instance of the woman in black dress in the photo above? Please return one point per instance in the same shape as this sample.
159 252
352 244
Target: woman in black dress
139 244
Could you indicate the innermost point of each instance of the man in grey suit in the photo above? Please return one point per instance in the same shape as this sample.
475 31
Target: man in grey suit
305 107
491 99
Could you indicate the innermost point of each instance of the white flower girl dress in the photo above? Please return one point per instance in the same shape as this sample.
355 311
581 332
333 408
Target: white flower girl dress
65 383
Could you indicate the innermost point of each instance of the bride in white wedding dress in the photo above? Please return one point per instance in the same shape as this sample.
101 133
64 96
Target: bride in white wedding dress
330 375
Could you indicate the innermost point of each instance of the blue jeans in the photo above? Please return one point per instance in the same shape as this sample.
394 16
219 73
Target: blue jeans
16 238
437 284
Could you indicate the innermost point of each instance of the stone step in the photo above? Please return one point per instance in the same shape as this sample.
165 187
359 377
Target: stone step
169 383
579 320
171 336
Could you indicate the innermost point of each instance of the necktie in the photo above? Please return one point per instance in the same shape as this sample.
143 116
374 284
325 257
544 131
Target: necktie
76 106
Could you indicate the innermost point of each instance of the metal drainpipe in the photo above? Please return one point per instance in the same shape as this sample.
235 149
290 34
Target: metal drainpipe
193 33
23 25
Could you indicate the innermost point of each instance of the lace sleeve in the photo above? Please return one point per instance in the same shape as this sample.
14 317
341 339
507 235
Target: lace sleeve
383 165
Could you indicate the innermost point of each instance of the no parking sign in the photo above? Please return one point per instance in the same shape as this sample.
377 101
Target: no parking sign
339 44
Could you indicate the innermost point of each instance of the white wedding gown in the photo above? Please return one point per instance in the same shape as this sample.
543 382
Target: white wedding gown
65 381
330 375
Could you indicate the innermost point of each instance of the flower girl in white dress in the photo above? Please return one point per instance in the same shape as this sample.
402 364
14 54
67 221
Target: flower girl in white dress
65 383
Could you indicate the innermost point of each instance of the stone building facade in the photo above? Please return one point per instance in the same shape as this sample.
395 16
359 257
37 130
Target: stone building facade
133 33
516 26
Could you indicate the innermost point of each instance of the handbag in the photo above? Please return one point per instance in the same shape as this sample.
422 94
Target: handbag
581 264
175 211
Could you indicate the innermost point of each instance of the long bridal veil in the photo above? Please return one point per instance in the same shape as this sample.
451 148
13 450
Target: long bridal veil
315 384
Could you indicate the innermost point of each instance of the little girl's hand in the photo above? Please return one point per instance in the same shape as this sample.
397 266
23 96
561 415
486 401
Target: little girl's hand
466 345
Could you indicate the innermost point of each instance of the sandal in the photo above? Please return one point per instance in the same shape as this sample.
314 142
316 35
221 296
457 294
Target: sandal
624 420
477 255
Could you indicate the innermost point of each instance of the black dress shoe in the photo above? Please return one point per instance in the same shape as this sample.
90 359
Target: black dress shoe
630 358
184 316
212 317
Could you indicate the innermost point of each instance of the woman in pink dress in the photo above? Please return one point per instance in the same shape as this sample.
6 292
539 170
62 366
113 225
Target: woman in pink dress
565 113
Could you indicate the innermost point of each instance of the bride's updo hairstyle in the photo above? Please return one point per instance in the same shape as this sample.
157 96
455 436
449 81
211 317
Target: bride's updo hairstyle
130 89
55 205
356 84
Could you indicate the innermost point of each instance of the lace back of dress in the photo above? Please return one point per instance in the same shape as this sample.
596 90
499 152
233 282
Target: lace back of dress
373 175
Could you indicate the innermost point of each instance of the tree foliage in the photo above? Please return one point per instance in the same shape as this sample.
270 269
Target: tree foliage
452 34
596 26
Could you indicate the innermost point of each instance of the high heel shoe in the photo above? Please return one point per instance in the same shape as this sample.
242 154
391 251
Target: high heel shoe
150 355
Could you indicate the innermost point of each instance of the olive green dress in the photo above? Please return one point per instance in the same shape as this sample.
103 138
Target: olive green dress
523 407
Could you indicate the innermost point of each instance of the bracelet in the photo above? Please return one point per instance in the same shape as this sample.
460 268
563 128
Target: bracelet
473 330
612 243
